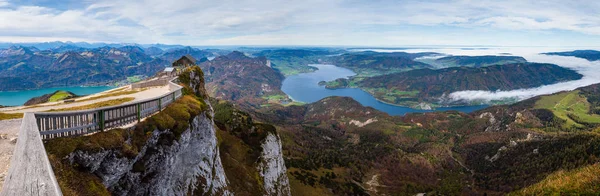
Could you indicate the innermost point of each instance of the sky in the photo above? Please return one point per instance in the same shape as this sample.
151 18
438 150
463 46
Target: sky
307 22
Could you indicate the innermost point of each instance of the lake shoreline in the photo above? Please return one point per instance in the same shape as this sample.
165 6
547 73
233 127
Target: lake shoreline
80 86
18 98
305 88
433 108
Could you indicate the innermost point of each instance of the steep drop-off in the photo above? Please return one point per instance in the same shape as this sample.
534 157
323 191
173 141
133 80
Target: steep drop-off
251 153
175 152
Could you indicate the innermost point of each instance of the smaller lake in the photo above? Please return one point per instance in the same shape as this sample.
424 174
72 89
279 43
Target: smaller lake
305 88
16 98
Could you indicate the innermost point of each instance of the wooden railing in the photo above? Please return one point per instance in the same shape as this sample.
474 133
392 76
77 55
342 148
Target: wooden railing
30 172
64 124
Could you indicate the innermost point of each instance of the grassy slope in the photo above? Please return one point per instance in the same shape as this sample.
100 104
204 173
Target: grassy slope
392 96
292 66
239 165
58 96
73 181
581 181
134 79
300 188
569 103
5 116
240 145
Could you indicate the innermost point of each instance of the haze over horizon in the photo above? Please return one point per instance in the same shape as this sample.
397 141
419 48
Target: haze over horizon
339 22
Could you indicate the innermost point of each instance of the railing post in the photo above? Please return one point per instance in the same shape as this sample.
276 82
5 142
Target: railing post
173 96
159 102
101 123
39 123
139 112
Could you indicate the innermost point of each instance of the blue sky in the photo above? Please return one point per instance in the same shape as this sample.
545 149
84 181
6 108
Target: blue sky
306 22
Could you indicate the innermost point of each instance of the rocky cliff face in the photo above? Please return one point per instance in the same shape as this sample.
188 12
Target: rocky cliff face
272 167
190 164
175 152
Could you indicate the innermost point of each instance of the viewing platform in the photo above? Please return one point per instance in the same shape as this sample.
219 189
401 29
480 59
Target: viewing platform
156 88
30 172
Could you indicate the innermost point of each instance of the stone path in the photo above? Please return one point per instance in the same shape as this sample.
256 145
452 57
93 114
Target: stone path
9 130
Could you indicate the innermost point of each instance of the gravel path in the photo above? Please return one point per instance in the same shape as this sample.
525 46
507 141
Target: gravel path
9 130
148 93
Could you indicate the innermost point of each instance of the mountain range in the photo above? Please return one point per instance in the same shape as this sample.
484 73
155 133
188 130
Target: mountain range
237 77
590 55
473 61
88 45
69 65
370 63
231 139
429 85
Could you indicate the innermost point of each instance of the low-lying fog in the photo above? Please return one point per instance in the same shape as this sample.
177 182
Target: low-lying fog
589 69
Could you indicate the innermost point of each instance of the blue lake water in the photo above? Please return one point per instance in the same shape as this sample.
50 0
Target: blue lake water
15 98
304 88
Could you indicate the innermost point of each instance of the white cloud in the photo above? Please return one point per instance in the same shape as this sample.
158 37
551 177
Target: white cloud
589 70
233 21
41 39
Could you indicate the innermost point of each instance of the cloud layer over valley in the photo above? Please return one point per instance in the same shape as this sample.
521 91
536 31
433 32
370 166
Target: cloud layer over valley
589 70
